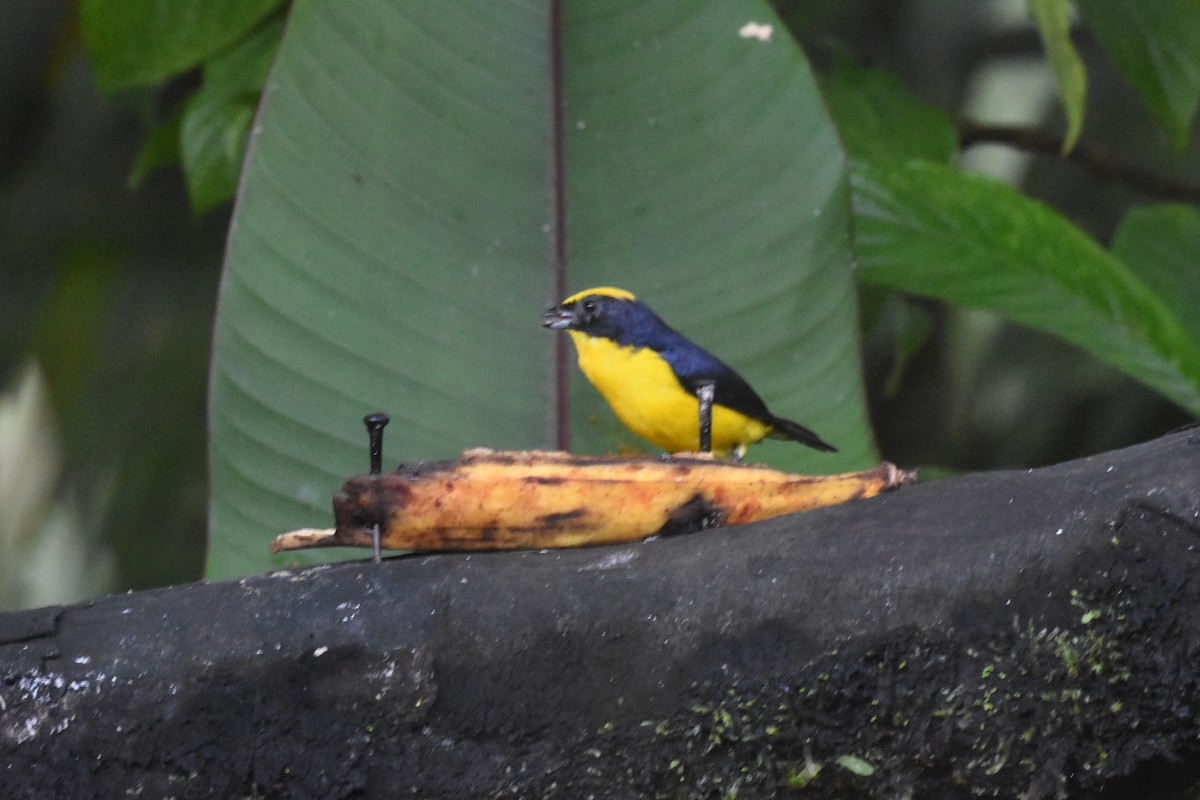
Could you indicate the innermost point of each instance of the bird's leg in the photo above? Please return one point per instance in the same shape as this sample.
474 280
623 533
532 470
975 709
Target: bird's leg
375 423
705 392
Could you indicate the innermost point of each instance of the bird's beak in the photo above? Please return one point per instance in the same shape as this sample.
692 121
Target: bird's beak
558 318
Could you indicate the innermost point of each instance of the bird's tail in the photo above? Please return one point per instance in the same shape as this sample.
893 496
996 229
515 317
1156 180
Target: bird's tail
786 429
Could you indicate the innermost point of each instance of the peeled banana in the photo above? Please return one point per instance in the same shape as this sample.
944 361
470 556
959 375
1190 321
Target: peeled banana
505 500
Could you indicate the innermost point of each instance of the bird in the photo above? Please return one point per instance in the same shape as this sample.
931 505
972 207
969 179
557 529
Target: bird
649 374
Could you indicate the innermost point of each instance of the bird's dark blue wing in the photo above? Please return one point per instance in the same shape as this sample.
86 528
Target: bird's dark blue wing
694 365
638 326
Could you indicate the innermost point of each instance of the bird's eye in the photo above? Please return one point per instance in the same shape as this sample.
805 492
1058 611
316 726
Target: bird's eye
589 306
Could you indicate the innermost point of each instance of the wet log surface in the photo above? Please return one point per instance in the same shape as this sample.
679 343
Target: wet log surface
1031 633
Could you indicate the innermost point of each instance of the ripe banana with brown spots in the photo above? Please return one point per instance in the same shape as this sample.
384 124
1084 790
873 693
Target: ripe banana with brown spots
533 499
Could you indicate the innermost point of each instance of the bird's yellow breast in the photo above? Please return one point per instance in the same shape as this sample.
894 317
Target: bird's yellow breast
644 393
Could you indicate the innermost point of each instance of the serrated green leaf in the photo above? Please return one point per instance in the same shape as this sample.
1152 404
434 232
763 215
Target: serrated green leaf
1053 20
878 118
138 42
1156 45
216 119
394 242
976 242
1162 245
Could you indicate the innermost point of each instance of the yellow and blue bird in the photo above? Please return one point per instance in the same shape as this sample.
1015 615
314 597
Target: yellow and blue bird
649 374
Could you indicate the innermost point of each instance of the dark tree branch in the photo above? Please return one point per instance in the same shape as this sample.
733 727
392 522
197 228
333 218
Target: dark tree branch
1030 632
1095 159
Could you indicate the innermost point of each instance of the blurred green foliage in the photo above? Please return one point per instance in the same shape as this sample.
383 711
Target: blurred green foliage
146 42
1156 45
140 42
1053 20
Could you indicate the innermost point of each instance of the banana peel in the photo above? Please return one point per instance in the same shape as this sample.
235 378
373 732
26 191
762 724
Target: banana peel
506 500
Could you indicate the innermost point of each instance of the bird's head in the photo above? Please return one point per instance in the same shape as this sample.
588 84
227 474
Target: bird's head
604 311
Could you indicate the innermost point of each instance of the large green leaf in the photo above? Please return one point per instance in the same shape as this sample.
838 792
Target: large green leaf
391 249
1156 45
138 42
398 234
976 242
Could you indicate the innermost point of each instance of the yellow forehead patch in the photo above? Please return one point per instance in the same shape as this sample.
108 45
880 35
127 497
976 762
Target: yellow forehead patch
607 291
